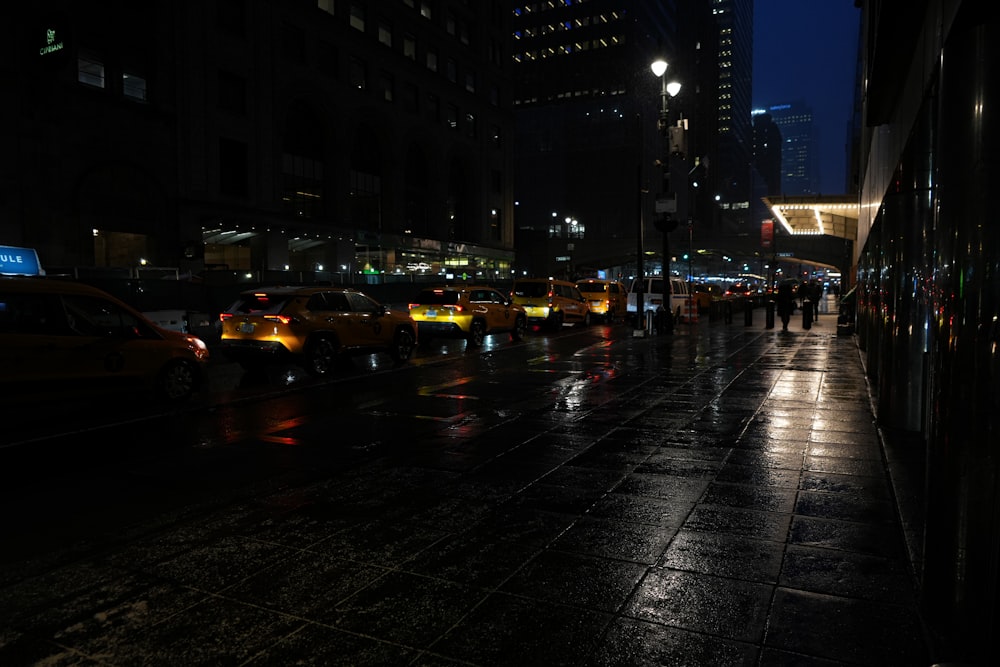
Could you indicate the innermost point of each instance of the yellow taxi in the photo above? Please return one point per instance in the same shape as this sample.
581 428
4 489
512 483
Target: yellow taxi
608 298
551 303
471 312
57 335
312 326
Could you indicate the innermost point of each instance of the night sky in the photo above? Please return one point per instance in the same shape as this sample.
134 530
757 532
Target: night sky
807 50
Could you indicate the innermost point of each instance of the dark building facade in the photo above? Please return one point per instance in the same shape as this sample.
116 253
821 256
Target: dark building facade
593 167
310 135
929 298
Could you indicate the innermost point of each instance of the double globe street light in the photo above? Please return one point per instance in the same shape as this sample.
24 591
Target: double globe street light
666 200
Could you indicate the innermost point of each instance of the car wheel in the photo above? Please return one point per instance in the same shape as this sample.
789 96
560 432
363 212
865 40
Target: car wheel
402 346
477 333
177 381
556 321
520 328
320 357
610 317
586 319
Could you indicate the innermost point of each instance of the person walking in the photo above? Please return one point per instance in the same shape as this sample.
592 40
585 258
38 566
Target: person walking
785 304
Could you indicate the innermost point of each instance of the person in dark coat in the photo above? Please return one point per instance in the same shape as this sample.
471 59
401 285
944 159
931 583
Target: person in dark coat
785 304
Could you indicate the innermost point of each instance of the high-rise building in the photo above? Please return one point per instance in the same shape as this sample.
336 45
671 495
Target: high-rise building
799 148
590 162
315 137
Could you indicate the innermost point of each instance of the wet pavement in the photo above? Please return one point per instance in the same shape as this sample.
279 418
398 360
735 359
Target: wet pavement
720 497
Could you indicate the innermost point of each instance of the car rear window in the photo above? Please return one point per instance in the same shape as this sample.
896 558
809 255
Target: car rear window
592 287
531 289
438 297
259 303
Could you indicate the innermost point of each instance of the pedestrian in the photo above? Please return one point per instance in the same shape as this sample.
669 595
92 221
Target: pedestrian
817 296
785 304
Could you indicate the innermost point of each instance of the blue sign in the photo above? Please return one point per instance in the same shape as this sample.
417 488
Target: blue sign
19 262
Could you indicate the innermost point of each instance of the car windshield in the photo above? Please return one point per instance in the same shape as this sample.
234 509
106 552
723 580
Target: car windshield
437 297
592 287
531 289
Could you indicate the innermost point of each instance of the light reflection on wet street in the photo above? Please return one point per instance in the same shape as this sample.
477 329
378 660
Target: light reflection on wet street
713 497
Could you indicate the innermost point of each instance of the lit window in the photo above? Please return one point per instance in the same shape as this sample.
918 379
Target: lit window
134 87
358 17
325 5
90 71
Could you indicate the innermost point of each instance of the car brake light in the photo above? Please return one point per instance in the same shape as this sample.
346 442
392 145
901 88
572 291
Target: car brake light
225 316
283 319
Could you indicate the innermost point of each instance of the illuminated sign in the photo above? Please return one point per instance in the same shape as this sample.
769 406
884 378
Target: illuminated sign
19 262
52 45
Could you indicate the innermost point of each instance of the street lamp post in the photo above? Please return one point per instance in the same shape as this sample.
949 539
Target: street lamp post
666 203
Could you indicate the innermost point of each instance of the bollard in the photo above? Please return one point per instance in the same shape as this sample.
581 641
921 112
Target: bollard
748 314
807 312
649 323
769 317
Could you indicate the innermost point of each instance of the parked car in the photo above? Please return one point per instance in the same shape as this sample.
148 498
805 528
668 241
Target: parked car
57 334
653 298
469 312
608 298
312 326
551 303
704 294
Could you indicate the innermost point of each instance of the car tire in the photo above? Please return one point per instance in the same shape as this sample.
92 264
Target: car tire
556 321
609 317
477 333
402 346
177 381
586 319
321 357
520 328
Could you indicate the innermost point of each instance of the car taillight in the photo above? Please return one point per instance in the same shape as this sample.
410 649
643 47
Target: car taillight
225 316
283 319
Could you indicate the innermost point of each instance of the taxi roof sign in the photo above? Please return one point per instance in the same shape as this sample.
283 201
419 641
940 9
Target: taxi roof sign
16 261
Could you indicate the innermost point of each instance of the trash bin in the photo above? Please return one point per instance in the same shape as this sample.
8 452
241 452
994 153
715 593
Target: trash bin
769 314
807 312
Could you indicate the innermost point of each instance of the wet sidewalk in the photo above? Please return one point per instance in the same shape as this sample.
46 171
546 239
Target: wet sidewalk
724 500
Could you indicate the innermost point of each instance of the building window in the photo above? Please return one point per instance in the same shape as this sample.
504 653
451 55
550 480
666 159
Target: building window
358 17
134 87
232 93
231 17
327 58
495 224
293 43
326 6
470 126
425 10
432 60
452 70
449 24
90 70
385 34
233 168
359 77
387 86
470 82
495 136
452 119
410 47
434 108
408 95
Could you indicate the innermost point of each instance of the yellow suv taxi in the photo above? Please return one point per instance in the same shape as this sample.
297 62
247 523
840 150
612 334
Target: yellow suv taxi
551 303
312 326
58 336
608 298
466 311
